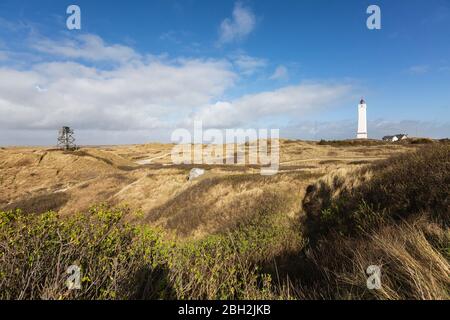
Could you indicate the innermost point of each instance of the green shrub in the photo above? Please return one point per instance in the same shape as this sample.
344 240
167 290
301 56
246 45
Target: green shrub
122 261
38 249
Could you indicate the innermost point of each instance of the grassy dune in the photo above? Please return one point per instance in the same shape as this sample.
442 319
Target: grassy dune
395 214
309 232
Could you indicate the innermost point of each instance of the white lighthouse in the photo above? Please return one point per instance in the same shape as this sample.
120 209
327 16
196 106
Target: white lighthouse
362 120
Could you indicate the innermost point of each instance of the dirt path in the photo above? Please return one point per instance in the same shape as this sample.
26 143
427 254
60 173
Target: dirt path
149 161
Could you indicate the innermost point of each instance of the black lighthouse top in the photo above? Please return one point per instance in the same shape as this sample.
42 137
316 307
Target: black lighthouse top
362 101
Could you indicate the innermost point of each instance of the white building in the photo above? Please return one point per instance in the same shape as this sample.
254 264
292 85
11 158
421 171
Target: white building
362 120
397 137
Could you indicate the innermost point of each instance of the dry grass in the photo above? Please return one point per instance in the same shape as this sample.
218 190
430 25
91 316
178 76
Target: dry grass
308 232
219 204
351 143
352 200
91 175
40 203
413 257
393 213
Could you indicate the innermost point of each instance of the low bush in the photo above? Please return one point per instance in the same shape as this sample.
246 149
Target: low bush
121 261
38 249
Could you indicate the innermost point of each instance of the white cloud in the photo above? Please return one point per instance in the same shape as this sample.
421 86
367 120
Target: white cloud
137 94
293 100
248 65
139 97
88 47
40 89
281 73
239 26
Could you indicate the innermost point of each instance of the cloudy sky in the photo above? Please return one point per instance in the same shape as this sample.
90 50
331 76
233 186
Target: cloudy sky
137 70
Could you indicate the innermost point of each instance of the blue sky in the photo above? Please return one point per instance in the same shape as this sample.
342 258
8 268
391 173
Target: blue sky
138 69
